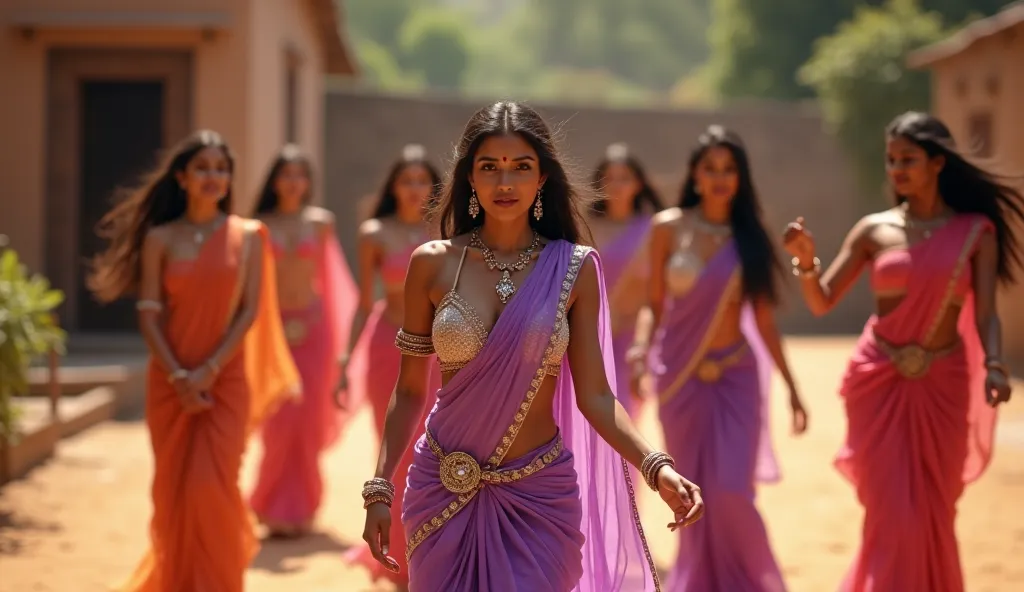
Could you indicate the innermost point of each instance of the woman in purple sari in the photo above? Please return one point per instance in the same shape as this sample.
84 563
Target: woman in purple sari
520 481
620 222
712 294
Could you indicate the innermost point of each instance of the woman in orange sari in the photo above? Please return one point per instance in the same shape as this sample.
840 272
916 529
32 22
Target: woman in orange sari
926 375
219 362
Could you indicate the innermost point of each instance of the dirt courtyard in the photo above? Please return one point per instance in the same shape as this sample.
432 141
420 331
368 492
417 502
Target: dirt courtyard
78 523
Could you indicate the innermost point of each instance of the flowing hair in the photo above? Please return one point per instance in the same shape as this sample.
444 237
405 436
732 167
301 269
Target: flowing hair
965 187
646 197
387 201
158 200
289 154
758 259
564 202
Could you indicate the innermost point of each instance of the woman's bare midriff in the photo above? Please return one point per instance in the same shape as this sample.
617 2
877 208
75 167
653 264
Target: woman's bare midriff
946 333
538 428
295 283
728 332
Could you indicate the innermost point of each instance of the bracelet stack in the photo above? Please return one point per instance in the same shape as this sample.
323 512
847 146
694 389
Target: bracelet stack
814 271
414 345
378 491
653 463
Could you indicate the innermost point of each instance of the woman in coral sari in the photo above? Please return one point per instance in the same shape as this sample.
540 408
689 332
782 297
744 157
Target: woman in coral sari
620 222
926 375
520 482
386 242
219 361
713 292
317 298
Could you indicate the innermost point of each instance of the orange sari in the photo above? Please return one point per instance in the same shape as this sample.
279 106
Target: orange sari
201 534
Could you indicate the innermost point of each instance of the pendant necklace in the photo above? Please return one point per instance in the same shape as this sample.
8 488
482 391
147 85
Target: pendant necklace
505 287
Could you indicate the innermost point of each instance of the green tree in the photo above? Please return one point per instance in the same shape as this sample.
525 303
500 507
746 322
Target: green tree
435 43
377 20
862 81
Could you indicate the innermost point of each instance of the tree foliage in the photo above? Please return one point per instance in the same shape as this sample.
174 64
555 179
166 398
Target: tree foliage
861 79
434 43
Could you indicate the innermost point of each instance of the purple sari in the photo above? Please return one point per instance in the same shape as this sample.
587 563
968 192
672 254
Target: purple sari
562 517
625 270
714 406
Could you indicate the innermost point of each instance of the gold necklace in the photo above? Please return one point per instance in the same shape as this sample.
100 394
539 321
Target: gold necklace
201 230
925 226
505 287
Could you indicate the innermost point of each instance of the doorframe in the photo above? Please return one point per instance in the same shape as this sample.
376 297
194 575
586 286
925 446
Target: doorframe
67 69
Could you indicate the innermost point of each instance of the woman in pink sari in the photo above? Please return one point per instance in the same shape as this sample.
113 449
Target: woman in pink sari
370 367
317 297
926 375
520 481
620 222
713 293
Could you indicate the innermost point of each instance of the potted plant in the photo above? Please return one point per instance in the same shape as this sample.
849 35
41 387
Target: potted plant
28 328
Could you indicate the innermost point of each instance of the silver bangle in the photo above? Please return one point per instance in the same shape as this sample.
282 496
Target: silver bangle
814 271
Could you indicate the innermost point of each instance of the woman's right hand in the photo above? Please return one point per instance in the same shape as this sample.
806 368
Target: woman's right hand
377 534
799 243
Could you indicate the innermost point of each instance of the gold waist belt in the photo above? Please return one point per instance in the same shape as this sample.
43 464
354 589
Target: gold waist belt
912 360
461 473
711 370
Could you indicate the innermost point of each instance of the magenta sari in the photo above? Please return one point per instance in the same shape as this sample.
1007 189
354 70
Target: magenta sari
625 269
289 487
560 518
914 440
714 409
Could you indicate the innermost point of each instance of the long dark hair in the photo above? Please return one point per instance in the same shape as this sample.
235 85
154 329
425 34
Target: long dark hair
289 154
158 200
965 187
564 203
620 154
758 258
412 155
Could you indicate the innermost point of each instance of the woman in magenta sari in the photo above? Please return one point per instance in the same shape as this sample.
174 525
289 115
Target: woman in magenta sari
620 223
520 481
713 292
317 297
927 373
369 368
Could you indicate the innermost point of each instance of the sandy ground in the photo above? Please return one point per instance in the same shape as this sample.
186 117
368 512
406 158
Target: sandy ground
77 524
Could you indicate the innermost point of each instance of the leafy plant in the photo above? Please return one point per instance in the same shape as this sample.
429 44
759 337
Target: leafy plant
28 328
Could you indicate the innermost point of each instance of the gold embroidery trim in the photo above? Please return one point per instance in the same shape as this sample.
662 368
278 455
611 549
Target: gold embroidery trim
492 477
578 253
698 355
961 261
639 526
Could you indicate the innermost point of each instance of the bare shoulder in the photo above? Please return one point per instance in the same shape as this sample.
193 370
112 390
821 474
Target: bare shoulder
667 218
319 216
371 228
429 258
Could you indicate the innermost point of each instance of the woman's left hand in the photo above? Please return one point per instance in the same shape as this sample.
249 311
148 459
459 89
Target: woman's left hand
799 413
682 496
201 379
997 388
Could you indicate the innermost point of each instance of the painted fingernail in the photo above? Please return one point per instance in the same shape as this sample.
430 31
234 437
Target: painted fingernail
384 549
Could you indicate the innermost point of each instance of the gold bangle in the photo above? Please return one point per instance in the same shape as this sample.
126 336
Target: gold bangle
814 271
177 375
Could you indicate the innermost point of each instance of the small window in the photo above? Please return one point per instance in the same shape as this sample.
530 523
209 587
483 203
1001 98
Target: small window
291 99
980 130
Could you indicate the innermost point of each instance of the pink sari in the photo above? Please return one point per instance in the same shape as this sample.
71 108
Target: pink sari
714 408
289 487
560 518
373 372
914 440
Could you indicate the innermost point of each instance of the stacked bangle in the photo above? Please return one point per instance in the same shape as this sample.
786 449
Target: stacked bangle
378 491
177 375
814 271
653 463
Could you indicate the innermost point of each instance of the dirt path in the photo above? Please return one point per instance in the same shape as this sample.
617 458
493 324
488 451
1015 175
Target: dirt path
77 524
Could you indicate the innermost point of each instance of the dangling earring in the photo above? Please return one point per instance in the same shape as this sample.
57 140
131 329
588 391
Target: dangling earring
474 205
538 208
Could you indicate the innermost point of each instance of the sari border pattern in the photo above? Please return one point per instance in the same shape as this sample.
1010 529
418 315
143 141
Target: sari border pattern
575 263
705 342
947 297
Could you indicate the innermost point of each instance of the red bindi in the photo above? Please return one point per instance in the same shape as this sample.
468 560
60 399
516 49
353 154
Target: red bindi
504 159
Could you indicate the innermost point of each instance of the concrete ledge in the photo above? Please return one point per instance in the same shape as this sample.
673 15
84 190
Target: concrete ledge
40 435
